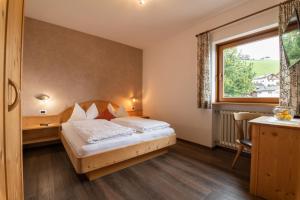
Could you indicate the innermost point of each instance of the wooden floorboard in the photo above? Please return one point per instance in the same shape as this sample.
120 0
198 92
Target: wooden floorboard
188 171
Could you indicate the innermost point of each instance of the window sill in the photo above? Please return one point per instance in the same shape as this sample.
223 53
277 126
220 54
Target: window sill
246 104
246 107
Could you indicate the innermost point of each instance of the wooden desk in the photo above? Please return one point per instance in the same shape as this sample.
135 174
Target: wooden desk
275 161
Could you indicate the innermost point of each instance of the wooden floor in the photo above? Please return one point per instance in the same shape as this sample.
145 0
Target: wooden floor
186 172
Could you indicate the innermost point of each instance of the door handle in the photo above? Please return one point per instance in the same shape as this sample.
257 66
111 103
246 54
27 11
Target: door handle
17 98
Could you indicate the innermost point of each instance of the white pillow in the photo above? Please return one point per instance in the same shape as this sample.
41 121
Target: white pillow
121 112
78 113
111 109
92 112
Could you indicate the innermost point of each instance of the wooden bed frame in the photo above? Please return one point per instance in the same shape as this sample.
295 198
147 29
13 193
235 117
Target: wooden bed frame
97 165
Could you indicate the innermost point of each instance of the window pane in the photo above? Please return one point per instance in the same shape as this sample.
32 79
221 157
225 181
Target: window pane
252 70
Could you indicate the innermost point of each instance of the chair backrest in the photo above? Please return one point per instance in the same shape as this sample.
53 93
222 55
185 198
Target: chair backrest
242 117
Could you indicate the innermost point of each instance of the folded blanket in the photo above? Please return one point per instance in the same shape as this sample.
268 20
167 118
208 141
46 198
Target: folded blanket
93 131
141 124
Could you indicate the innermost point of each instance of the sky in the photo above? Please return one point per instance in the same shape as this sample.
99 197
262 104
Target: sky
263 48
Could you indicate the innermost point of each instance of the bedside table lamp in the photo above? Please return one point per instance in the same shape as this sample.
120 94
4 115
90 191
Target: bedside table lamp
133 101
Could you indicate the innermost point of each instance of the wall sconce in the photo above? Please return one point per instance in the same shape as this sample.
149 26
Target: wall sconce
44 99
141 2
133 101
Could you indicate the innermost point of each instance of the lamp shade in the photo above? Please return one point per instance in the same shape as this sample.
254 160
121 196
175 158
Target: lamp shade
42 97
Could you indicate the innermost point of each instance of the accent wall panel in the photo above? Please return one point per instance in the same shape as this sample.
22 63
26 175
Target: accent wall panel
71 66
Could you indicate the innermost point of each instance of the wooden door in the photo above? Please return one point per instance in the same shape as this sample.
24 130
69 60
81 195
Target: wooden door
10 134
3 4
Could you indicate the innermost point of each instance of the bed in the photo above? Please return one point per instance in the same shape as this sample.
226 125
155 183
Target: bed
111 155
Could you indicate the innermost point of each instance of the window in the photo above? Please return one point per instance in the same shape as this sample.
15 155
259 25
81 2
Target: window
248 69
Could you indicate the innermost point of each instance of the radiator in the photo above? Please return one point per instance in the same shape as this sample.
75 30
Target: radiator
227 131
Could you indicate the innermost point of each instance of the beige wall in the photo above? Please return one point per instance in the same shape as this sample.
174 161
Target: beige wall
71 67
170 68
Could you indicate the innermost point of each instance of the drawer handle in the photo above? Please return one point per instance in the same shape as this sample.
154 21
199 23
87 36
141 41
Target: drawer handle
17 92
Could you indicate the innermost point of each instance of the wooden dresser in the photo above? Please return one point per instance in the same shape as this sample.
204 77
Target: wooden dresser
275 161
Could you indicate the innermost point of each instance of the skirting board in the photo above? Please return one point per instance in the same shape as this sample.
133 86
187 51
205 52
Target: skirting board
122 165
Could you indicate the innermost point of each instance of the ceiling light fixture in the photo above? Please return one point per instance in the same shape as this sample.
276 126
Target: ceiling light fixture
142 2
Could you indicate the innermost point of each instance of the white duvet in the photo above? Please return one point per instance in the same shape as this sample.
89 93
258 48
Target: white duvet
141 124
93 131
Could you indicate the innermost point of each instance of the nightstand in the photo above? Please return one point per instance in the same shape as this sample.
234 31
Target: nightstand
138 113
34 133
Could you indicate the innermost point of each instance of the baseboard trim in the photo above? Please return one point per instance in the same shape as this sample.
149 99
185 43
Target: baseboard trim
248 155
196 144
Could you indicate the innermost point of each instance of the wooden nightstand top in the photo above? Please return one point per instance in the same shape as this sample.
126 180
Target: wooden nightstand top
38 126
145 117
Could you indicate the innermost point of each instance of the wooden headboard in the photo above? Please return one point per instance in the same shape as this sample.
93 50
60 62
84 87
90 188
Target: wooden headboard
101 105
64 116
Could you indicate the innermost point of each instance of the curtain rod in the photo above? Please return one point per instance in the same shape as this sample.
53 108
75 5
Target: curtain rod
245 17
